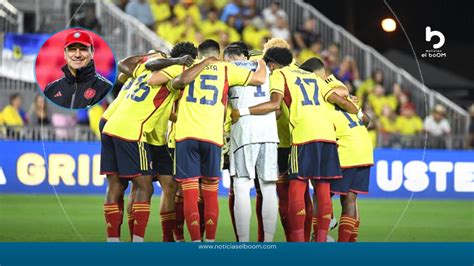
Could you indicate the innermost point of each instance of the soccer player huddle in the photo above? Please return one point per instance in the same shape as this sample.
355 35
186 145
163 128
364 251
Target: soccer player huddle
283 127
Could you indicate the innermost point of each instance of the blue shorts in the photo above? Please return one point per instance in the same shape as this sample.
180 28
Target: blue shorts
163 158
195 159
125 159
315 160
354 180
283 159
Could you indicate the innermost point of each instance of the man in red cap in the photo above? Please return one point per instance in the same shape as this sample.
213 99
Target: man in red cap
81 86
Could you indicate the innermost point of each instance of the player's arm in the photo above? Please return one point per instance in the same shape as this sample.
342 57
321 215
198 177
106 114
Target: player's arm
122 78
191 73
161 63
173 117
344 104
128 64
260 75
261 109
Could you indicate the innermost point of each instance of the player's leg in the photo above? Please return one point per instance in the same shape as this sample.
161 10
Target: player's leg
258 211
179 228
113 206
231 206
141 205
355 232
135 162
112 211
245 160
309 215
267 163
164 166
242 207
282 187
211 156
188 172
130 218
348 217
359 185
328 169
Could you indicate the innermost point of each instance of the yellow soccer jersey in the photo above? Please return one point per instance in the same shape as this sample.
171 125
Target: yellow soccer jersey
139 69
354 143
140 109
283 128
303 94
202 108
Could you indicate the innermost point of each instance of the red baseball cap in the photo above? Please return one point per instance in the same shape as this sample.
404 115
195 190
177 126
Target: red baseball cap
79 36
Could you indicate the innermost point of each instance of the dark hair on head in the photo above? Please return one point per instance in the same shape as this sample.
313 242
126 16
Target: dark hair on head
184 48
241 46
208 46
312 64
279 55
14 96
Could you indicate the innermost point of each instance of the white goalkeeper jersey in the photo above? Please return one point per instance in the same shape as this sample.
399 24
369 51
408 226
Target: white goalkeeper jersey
252 128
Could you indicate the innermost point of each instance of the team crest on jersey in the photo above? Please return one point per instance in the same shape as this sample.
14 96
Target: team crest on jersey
89 93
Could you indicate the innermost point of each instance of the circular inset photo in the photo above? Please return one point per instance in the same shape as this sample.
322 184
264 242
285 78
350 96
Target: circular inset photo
75 68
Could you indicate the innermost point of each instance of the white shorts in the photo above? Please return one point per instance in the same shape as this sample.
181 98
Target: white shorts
260 156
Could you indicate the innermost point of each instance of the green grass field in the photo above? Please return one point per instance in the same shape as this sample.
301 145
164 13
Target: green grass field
33 218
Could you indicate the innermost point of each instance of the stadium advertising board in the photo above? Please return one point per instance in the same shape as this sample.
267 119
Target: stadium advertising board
68 167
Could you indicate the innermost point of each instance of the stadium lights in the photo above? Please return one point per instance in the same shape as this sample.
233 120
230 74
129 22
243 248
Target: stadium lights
389 25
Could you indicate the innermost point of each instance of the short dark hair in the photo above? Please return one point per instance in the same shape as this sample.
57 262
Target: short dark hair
243 46
14 96
312 64
279 55
209 46
184 48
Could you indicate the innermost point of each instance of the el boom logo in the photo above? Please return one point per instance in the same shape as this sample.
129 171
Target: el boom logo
436 52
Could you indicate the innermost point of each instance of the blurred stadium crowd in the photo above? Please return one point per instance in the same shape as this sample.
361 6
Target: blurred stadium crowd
396 120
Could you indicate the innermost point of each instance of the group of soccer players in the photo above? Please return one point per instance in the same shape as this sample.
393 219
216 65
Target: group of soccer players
287 125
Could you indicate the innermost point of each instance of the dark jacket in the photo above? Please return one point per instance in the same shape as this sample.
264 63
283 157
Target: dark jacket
81 91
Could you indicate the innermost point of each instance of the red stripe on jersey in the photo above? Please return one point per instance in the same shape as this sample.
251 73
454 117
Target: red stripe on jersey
286 95
226 88
157 101
160 97
120 138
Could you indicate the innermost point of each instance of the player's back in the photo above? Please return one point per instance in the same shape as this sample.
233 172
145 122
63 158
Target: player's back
308 114
137 112
252 128
354 143
202 108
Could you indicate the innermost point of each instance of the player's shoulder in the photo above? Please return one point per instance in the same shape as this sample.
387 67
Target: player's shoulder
245 64
53 84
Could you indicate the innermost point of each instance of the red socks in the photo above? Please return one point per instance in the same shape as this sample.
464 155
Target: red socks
141 213
168 223
346 226
282 187
191 212
202 222
211 207
324 211
113 219
297 209
179 222
309 216
355 232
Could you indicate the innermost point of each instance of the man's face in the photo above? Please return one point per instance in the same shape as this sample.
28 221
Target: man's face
78 55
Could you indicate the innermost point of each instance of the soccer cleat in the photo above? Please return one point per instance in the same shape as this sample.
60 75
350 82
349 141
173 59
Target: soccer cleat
330 239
